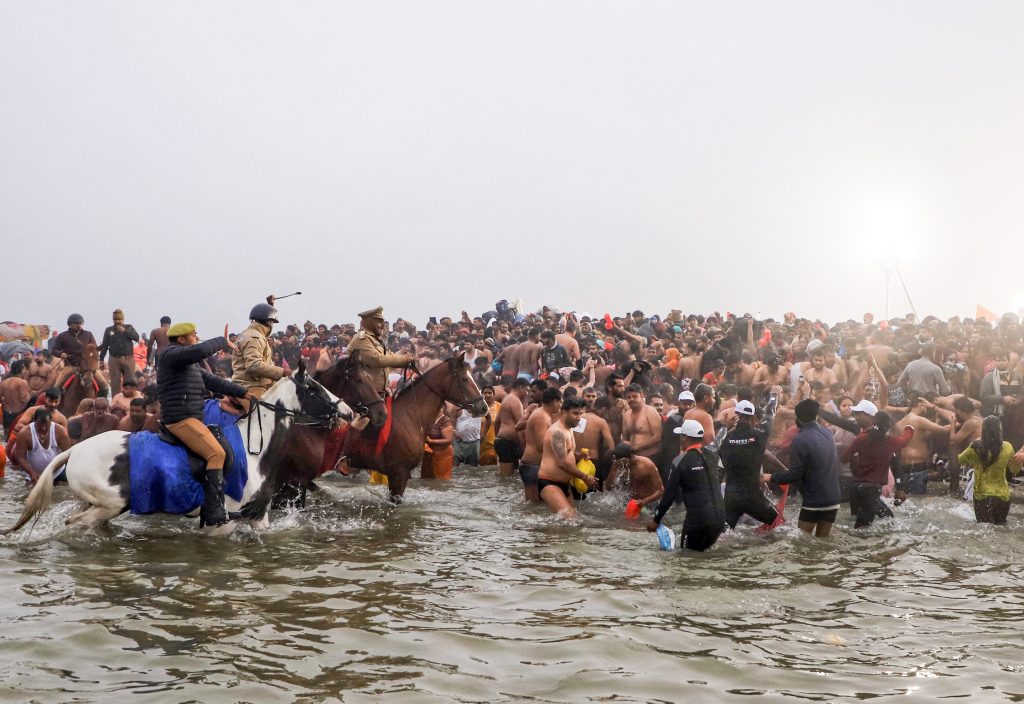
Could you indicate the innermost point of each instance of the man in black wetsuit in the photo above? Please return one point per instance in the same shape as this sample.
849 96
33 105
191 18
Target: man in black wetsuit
743 451
694 478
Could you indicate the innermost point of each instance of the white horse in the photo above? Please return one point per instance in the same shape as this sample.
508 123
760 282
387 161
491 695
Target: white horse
97 469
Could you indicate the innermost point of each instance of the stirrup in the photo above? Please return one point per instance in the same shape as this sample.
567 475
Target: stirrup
343 460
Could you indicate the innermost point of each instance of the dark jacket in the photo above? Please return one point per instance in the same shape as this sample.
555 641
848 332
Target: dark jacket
814 466
182 383
73 345
694 479
119 344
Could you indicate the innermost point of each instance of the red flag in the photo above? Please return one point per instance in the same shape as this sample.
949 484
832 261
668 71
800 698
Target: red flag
982 313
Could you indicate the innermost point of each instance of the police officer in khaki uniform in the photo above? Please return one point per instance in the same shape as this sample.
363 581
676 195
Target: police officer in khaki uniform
252 361
372 352
376 358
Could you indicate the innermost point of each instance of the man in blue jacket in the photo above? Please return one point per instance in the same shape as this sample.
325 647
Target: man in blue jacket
181 386
814 468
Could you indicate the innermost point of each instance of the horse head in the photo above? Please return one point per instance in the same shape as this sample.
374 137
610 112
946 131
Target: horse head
316 402
460 388
350 380
90 364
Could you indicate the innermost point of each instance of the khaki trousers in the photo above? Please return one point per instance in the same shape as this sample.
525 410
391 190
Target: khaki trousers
198 438
120 368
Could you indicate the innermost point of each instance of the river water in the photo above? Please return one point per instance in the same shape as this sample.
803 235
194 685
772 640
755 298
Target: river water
466 594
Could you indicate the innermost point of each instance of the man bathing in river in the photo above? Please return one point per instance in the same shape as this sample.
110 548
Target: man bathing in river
558 462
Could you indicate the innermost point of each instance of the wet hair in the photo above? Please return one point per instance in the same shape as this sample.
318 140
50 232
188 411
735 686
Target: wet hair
546 335
963 404
550 396
622 450
572 403
44 413
486 386
728 390
576 375
745 393
53 393
990 444
883 424
16 367
703 392
602 402
590 390
571 392
520 384
635 389
534 332
612 378
538 384
138 401
165 320
732 358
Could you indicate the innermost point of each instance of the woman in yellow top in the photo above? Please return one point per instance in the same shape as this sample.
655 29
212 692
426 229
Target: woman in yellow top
991 457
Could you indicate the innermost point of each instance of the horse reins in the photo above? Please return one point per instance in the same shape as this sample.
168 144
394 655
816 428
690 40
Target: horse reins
327 419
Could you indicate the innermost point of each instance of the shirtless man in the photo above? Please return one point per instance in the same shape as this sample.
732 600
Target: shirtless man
38 374
157 341
14 393
912 475
528 355
689 363
815 370
704 403
836 364
509 362
567 340
773 373
966 429
39 442
137 418
558 461
535 437
506 439
615 389
51 400
882 353
645 485
641 425
594 435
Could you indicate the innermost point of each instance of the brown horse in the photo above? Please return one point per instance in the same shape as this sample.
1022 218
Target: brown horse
415 409
83 384
304 449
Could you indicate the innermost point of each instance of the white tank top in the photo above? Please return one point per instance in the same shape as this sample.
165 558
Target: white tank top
40 456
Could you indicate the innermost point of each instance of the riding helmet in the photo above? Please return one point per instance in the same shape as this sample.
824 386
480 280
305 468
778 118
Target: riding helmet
75 318
263 312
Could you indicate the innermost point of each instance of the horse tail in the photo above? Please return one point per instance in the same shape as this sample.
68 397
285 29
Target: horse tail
42 493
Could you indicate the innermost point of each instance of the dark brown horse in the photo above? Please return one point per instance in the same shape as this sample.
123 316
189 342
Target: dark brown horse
304 449
83 384
415 409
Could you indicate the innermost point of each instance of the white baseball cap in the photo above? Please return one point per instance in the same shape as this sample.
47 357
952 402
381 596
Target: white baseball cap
691 429
866 407
687 396
815 345
745 408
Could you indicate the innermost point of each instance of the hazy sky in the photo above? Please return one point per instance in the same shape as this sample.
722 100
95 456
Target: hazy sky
187 158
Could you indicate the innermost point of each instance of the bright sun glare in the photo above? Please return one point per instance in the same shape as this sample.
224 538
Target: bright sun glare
889 228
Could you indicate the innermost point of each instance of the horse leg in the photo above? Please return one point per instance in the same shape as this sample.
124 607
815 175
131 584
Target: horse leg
94 516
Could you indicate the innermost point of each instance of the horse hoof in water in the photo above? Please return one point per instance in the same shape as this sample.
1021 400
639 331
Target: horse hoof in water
395 499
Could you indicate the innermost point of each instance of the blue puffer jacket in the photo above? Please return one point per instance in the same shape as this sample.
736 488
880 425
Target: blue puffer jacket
182 383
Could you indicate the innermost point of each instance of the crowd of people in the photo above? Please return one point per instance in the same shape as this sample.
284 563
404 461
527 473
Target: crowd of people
669 408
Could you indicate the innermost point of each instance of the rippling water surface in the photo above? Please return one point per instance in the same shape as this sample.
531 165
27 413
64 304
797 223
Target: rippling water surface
466 594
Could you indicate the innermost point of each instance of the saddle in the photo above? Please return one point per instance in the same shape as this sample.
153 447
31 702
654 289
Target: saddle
197 465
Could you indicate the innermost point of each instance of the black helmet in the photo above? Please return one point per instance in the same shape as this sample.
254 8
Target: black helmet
75 318
263 311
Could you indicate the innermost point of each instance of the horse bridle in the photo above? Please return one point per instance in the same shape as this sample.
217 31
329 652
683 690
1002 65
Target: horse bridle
467 402
327 417
362 408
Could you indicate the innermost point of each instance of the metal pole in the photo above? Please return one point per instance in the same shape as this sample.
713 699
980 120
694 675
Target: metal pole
888 287
906 290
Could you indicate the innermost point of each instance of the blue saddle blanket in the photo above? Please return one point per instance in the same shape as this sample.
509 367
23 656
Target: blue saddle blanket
160 476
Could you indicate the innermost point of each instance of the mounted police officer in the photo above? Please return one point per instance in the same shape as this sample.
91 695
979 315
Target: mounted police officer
375 357
252 362
373 354
70 346
181 386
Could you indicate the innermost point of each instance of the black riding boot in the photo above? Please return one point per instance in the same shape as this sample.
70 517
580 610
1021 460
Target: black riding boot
213 513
